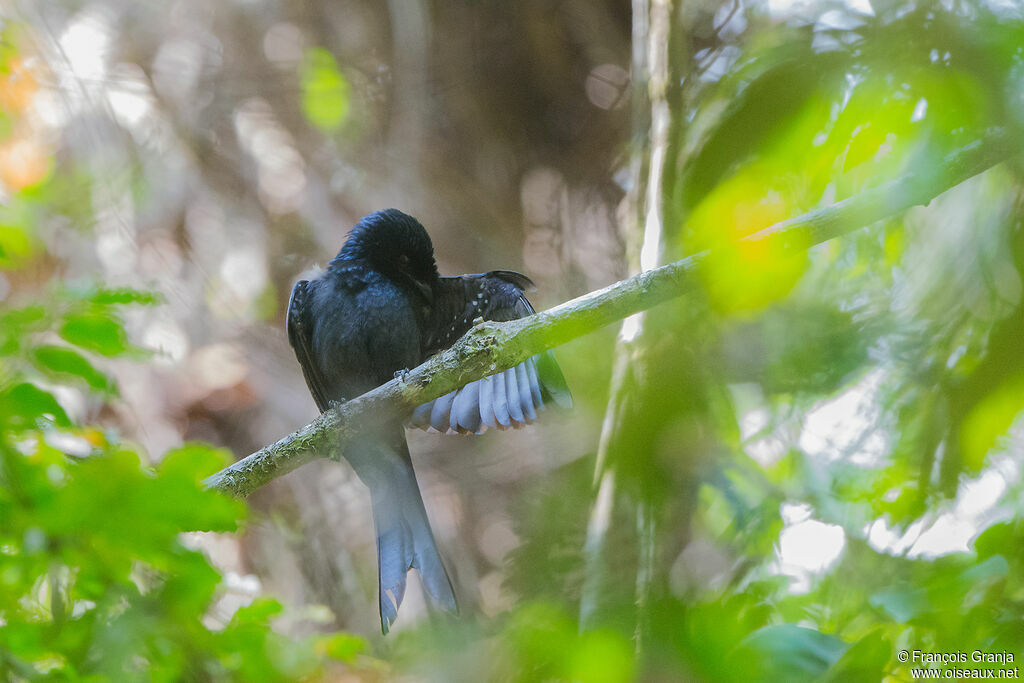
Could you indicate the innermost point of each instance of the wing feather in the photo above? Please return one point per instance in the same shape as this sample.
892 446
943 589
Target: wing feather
525 397
300 332
500 401
439 414
487 401
510 398
515 408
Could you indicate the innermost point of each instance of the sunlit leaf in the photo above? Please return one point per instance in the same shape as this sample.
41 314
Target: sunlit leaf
773 89
325 90
866 660
1004 539
62 362
124 295
194 461
17 324
95 332
601 657
15 245
341 646
989 419
23 404
22 317
259 611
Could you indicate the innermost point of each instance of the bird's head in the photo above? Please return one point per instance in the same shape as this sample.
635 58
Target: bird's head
395 244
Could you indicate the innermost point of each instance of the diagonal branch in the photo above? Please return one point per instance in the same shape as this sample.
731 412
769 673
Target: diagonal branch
493 346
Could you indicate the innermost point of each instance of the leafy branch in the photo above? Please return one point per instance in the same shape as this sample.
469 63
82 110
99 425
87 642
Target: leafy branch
493 346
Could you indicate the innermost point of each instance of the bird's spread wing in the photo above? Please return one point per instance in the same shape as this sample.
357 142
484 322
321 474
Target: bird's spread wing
459 300
506 399
300 332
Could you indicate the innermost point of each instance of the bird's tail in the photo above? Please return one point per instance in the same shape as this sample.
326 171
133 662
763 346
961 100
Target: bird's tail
404 539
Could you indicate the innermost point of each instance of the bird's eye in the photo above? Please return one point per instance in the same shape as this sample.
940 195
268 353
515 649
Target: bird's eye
403 260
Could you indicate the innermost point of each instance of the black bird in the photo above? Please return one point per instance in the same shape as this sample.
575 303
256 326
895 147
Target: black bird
379 308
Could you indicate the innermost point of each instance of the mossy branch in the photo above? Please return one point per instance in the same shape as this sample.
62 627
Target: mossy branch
493 346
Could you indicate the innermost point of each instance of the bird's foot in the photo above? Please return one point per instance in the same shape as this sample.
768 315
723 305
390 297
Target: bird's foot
479 320
400 374
336 404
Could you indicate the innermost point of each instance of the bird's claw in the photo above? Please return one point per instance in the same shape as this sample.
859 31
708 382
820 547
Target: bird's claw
479 320
334 405
400 374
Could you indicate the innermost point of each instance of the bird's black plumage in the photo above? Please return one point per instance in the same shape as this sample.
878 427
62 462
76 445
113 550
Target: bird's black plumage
381 307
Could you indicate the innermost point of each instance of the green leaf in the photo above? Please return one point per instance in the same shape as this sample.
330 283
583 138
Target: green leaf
23 404
1005 539
15 245
866 660
178 491
189 586
95 332
994 539
259 611
989 419
131 515
341 646
18 323
787 652
601 657
994 568
776 87
23 316
325 90
901 604
194 461
61 362
124 295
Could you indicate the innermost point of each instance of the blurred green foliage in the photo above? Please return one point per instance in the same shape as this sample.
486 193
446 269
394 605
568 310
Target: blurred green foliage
920 318
908 317
325 90
95 580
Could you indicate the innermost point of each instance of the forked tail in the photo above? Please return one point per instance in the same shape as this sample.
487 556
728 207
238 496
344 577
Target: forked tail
404 538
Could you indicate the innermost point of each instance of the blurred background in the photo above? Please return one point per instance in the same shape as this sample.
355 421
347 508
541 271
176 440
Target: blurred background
795 471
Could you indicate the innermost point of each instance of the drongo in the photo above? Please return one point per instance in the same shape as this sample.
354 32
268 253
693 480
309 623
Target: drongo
381 307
